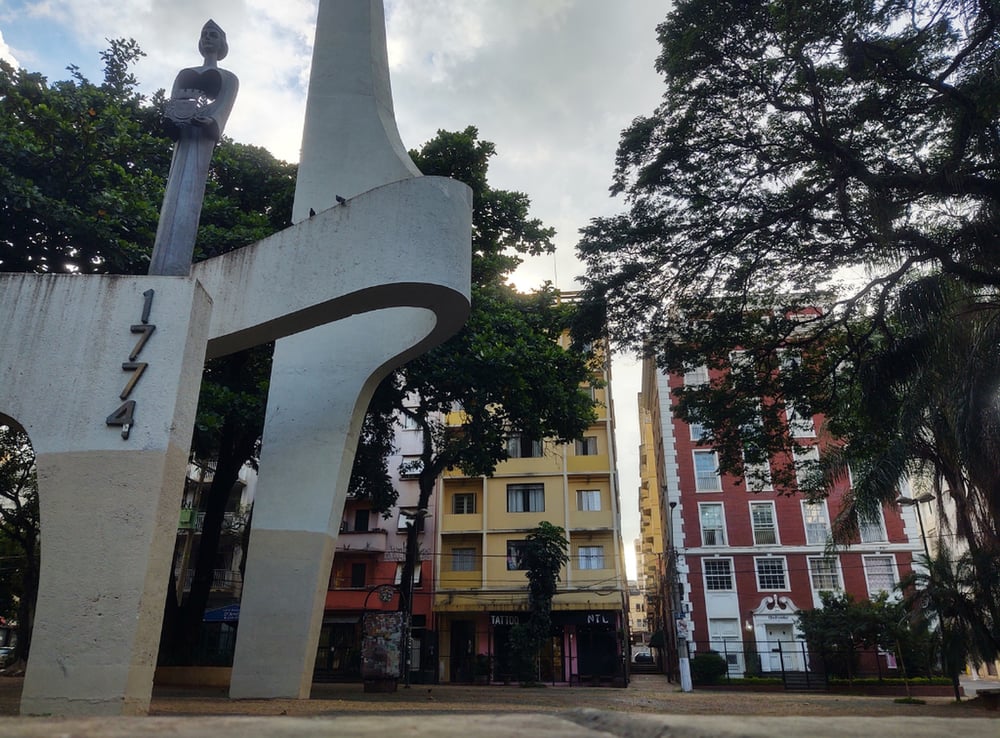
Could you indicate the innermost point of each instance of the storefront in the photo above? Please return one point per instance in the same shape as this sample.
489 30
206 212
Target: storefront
583 646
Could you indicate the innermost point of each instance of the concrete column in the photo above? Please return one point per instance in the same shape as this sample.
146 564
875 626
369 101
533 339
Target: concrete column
322 380
108 504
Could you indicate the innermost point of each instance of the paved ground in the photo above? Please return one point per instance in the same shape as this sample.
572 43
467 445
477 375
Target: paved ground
649 708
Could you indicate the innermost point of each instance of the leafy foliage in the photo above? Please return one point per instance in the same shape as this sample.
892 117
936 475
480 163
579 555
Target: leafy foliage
543 556
960 596
807 163
19 534
708 667
508 369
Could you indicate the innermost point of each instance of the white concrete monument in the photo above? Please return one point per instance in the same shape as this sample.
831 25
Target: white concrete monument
317 395
103 373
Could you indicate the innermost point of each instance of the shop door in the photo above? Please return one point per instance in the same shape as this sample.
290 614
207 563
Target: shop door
463 650
552 659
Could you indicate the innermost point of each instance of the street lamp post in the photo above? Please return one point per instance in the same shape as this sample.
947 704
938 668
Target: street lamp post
916 502
679 624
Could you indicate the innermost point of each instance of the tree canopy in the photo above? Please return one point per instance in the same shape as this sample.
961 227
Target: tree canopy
509 371
810 166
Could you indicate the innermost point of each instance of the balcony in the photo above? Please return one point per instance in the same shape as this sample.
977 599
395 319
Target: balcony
367 541
223 580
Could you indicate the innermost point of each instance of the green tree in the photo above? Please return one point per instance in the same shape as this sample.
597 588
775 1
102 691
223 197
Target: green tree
19 533
804 155
948 595
506 369
542 558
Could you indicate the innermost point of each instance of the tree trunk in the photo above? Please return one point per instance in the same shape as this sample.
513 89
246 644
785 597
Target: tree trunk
29 598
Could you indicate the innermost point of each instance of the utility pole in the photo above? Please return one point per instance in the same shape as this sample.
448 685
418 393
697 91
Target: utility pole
677 609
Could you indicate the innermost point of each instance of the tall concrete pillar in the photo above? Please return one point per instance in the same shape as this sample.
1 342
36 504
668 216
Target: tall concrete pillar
322 380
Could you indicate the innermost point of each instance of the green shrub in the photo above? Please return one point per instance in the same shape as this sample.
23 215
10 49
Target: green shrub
707 668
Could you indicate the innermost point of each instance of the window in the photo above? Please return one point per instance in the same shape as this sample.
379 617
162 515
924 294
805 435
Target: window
520 446
800 422
515 555
757 476
406 519
525 498
463 559
361 520
399 575
586 446
824 574
463 503
713 530
880 574
806 464
407 422
412 466
817 523
588 500
696 377
872 531
359 576
741 361
590 557
697 430
718 574
771 573
706 472
765 528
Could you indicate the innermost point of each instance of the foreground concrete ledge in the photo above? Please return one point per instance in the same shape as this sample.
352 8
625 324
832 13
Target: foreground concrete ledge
574 724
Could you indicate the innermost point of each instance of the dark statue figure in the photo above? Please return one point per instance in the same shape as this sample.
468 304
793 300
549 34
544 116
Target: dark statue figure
195 117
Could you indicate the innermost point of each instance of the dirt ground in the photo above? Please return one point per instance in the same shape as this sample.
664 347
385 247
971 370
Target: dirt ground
650 694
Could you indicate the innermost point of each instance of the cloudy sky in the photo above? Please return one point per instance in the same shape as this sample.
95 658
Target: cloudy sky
550 82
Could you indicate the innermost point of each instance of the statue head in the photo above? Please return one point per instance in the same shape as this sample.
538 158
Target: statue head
213 40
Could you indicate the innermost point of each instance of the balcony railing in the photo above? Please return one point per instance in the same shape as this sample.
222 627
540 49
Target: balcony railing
223 580
374 541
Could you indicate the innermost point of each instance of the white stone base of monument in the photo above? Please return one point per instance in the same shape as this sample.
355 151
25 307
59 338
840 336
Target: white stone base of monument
108 503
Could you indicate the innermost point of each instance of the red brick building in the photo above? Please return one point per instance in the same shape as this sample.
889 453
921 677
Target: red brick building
742 557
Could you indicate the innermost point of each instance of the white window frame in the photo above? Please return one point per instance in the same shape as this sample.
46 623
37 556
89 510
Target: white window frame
880 533
408 423
397 580
811 525
715 577
759 560
525 497
699 476
465 496
868 560
696 431
815 565
588 500
586 446
804 454
410 466
463 558
762 505
720 531
590 557
799 426
697 377
753 485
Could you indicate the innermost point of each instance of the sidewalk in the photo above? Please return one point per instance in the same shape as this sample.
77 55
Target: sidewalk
649 707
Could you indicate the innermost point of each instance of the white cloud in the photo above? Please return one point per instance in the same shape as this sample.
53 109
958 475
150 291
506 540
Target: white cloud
6 53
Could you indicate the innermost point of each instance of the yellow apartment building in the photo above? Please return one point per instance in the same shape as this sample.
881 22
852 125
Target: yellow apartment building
481 589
